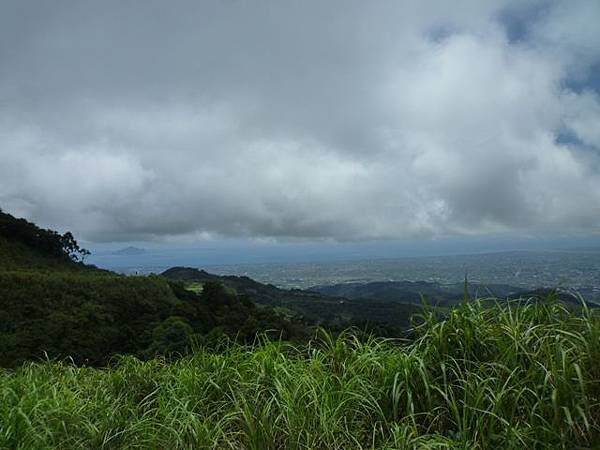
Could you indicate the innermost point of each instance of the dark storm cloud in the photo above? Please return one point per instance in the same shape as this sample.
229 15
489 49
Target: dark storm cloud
345 120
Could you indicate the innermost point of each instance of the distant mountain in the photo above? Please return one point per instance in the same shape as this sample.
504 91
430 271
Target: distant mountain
130 251
437 294
189 274
416 291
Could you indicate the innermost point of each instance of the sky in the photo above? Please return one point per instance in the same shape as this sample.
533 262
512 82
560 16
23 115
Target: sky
187 122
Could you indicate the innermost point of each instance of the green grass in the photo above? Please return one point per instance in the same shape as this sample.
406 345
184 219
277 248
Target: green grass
195 287
198 287
484 378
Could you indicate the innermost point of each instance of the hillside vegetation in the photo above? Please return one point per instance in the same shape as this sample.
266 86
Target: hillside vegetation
25 245
441 295
507 377
415 291
335 312
54 306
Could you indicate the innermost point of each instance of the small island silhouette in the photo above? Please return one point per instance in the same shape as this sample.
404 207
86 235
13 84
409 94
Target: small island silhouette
130 251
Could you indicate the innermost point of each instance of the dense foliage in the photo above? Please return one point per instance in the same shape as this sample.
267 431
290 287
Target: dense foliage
46 242
387 318
509 377
91 317
52 306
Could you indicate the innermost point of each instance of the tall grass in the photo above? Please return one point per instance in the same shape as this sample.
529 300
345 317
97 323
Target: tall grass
510 376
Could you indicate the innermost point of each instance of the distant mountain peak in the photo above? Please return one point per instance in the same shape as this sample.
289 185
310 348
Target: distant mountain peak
130 251
189 274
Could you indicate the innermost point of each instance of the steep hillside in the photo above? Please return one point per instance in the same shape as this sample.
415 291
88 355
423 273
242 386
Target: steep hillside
15 255
52 305
24 245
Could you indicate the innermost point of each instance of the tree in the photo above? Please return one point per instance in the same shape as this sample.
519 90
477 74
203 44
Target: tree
71 248
172 336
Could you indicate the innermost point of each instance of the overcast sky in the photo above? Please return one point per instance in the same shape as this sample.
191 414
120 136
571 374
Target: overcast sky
345 120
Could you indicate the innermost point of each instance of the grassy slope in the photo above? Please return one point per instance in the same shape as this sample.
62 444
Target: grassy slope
503 378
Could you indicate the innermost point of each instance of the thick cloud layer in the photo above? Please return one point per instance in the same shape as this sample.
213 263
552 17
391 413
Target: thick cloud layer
354 120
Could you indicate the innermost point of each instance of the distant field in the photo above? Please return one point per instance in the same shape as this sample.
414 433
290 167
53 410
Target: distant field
194 287
484 378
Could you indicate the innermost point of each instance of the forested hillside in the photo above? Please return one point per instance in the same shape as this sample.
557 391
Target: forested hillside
54 306
440 295
24 245
336 312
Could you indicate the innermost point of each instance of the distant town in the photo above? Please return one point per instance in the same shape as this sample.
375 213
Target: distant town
576 269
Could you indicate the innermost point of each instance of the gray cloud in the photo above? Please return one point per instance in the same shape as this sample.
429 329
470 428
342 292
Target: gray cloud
346 120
